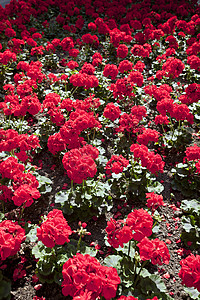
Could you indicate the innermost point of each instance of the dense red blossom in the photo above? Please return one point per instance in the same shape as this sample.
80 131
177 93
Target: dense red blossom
80 164
154 201
84 274
110 70
148 135
111 111
125 65
54 230
11 237
24 195
141 222
192 152
154 250
173 67
153 162
116 164
190 271
118 233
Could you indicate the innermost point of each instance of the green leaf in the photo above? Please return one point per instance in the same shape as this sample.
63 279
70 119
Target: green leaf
126 248
5 289
62 197
39 250
113 261
90 250
31 236
158 281
194 293
187 227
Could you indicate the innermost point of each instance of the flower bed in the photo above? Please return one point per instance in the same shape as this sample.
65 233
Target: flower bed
99 150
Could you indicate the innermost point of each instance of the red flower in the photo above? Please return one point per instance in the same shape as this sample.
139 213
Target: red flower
24 195
110 70
154 201
192 152
148 135
141 222
83 274
116 164
190 271
135 77
122 51
11 237
111 111
80 164
56 143
125 65
118 233
173 67
154 250
55 230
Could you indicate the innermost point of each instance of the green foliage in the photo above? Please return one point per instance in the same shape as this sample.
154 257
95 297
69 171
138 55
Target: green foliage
191 222
51 261
85 200
5 287
193 293
177 138
44 184
185 180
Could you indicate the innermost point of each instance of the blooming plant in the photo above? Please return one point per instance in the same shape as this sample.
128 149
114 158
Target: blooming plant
99 114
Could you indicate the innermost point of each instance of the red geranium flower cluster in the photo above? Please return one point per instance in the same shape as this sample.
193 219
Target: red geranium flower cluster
159 119
52 104
11 140
154 201
182 112
122 51
128 122
125 66
117 35
116 164
139 50
154 250
110 70
97 59
80 164
194 62
190 271
54 230
141 222
55 143
122 88
118 233
84 80
7 57
173 67
11 237
137 226
153 162
25 195
83 274
79 121
192 94
135 77
139 112
90 39
192 152
24 184
148 135
111 111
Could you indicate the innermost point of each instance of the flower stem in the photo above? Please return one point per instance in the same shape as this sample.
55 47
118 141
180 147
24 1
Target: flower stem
72 187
